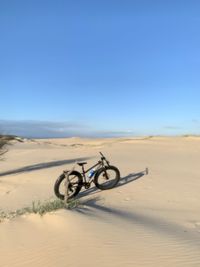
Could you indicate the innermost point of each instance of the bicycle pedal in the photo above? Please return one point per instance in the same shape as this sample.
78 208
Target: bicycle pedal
87 185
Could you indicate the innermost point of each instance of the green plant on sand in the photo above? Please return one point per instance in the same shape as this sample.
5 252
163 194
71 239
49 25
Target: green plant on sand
40 208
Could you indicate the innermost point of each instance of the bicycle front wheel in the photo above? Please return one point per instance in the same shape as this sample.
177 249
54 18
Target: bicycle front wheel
74 186
107 177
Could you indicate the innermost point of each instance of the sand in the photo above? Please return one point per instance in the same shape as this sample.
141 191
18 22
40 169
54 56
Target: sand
148 220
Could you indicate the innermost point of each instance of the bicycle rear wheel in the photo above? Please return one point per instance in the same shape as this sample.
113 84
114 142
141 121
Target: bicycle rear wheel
74 186
107 177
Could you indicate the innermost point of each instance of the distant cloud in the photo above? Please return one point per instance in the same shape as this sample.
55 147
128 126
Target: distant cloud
188 127
173 127
45 129
37 129
196 121
112 133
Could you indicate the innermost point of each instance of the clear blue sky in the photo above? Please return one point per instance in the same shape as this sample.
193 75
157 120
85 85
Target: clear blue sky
100 66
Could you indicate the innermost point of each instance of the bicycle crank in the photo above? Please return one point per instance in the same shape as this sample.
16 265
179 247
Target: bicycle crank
87 185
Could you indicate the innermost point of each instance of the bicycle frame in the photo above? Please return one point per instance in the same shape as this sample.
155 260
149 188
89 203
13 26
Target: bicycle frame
100 164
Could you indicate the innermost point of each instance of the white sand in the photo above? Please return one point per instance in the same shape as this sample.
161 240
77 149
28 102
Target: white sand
150 221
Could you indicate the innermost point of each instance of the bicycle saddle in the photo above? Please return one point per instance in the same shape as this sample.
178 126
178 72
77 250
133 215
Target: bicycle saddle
81 163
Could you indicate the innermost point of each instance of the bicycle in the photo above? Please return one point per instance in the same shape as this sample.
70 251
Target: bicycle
102 174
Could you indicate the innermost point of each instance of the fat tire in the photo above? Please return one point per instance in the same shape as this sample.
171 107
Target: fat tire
97 175
59 181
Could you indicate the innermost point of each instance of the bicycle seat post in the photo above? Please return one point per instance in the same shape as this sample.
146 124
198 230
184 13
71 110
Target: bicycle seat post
83 170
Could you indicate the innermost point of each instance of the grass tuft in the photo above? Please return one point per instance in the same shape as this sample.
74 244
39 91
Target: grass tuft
6 140
40 208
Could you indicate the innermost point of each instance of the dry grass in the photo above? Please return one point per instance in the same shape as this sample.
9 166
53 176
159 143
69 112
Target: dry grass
40 208
5 140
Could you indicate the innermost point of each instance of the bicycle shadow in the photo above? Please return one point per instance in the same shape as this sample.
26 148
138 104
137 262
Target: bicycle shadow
45 165
131 177
148 221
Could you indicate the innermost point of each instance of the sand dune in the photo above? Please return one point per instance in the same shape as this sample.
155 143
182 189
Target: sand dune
147 220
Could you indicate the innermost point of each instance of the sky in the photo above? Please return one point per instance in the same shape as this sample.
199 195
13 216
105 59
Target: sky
99 68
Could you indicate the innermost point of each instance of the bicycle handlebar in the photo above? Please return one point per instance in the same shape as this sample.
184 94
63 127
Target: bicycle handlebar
103 157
